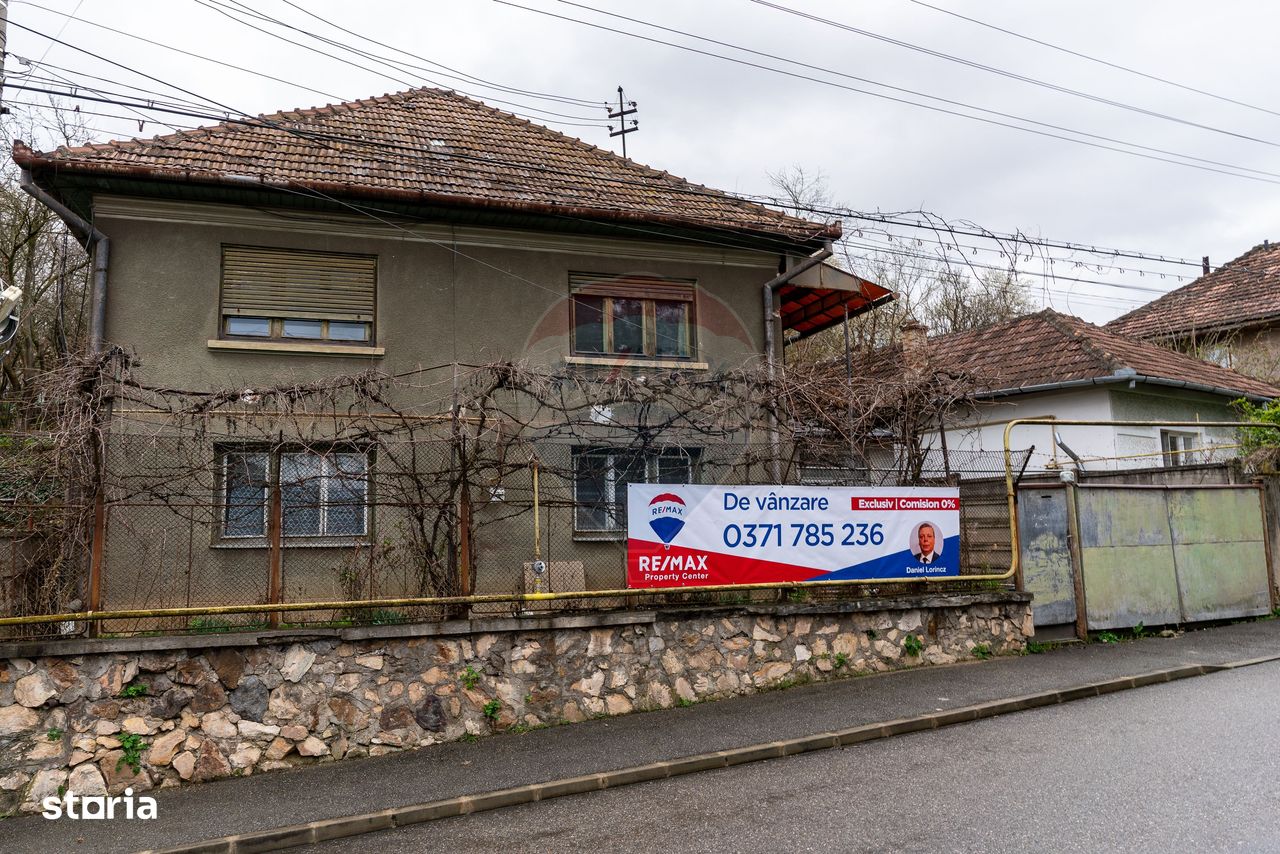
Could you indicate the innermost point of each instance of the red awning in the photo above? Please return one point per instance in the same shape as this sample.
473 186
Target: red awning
807 311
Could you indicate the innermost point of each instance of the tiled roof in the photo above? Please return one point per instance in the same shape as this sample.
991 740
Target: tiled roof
1242 293
429 146
1047 347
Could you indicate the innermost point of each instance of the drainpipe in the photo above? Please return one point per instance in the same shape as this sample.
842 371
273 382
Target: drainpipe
775 444
93 240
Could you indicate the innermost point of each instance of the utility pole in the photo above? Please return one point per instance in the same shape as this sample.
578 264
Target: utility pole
625 126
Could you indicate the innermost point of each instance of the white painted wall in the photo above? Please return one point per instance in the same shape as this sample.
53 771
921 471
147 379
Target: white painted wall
1100 446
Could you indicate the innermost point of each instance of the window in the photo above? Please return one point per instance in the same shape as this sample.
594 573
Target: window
288 295
1178 448
601 475
632 316
322 493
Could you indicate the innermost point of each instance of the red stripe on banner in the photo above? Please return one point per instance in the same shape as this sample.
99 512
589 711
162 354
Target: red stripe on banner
911 502
655 565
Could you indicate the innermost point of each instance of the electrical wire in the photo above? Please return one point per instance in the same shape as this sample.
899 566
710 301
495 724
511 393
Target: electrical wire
1022 78
462 75
1187 161
234 15
1089 58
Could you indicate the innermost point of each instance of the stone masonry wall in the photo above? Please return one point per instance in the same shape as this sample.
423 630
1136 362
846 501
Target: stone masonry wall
98 716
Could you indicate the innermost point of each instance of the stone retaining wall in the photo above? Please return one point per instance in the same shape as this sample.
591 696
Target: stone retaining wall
99 716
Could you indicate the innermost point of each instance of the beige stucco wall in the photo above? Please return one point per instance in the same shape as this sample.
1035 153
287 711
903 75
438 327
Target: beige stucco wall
465 294
501 295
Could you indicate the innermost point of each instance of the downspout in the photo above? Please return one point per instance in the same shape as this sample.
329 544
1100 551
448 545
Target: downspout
92 240
775 444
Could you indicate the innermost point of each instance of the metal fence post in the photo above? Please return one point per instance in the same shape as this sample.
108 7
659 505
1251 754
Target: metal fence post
96 548
464 548
274 536
1077 562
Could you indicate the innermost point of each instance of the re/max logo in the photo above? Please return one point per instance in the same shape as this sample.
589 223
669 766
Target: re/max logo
98 807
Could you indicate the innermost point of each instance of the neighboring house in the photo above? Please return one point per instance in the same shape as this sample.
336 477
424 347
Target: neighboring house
422 228
1050 365
1231 316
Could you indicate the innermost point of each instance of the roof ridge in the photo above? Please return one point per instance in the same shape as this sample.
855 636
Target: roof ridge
1063 323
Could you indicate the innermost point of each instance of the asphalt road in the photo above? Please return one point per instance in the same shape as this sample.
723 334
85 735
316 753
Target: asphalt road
1187 766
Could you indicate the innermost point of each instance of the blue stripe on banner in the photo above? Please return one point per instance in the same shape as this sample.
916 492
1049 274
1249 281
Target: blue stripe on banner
899 564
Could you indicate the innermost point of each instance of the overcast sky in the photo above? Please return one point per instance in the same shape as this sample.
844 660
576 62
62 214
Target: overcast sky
727 125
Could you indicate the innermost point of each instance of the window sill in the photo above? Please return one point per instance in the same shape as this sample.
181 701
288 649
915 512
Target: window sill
298 349
599 536
236 543
631 362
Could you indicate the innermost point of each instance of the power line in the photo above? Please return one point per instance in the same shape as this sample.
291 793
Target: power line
1022 78
932 226
188 53
1198 162
585 102
1086 56
234 15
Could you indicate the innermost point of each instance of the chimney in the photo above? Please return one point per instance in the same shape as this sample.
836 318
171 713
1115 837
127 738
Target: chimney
915 354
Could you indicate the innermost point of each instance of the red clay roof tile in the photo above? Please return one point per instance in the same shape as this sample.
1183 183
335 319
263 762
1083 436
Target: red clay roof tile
1240 294
1047 347
432 146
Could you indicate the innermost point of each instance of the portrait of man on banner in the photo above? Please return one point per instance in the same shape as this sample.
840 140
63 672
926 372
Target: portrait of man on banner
925 544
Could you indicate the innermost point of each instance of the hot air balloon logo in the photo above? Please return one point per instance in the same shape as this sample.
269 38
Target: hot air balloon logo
666 515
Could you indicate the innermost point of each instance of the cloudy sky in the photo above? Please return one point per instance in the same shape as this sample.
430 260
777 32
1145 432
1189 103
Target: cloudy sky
728 124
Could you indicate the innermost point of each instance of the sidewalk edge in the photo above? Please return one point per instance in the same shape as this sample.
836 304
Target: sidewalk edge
323 830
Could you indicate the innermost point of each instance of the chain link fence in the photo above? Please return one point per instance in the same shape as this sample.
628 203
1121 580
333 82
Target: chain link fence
207 520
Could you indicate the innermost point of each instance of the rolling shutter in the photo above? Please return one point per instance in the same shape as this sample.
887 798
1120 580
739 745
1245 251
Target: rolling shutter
260 282
636 287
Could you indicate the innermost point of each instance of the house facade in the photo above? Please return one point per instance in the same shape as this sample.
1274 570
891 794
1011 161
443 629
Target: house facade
428 239
1230 316
1053 366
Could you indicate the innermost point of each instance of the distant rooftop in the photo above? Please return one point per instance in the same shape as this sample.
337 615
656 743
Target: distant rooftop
1240 294
1048 348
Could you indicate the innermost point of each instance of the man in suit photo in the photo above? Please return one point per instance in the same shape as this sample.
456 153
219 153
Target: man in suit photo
926 542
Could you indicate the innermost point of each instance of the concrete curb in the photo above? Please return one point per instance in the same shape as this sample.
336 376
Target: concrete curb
354 825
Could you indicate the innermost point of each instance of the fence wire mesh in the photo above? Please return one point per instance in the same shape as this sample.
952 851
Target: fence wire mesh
218 519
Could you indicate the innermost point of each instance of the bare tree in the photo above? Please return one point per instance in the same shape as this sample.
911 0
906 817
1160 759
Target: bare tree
38 254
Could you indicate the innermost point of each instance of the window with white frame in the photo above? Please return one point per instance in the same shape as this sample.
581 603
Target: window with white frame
323 493
1178 448
601 475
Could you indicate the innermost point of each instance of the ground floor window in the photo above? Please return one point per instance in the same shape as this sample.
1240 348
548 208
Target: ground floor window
323 493
601 475
1178 448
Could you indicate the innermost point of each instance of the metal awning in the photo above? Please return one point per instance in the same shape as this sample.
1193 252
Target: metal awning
817 298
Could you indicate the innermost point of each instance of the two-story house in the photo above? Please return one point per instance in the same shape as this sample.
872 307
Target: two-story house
409 233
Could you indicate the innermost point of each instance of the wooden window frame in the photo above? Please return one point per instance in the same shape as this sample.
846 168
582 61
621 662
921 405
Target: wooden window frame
273 455
649 291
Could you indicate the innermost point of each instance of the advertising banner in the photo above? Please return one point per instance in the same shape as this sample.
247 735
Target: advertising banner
692 535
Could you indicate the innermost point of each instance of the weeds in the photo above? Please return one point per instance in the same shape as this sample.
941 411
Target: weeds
135 689
491 710
131 747
1108 637
841 660
982 651
1034 648
470 677
54 734
913 645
